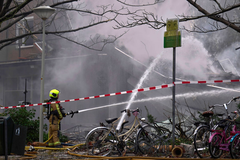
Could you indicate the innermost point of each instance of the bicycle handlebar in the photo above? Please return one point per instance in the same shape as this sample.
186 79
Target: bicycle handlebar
131 110
224 105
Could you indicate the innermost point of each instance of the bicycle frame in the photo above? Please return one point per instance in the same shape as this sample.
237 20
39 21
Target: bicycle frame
223 146
200 146
134 127
227 140
219 141
234 137
210 125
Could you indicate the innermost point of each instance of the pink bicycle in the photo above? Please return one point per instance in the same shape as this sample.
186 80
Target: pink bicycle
219 140
235 143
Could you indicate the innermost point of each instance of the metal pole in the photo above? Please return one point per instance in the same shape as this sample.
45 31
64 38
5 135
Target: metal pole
173 97
42 86
6 138
19 49
25 92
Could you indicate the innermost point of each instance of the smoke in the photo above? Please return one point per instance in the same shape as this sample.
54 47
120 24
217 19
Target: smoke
145 42
90 73
229 59
216 42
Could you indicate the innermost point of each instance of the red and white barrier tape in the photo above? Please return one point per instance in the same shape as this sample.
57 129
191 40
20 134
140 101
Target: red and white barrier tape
125 92
214 81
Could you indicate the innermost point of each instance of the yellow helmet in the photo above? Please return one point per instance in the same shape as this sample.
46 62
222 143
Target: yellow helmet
54 93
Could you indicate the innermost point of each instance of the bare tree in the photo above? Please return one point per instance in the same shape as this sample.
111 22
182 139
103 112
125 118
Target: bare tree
221 16
216 15
12 12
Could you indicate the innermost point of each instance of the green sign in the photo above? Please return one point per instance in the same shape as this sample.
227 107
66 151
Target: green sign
172 37
172 40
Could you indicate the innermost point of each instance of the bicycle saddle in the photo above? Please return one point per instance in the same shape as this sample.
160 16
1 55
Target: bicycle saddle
207 113
110 120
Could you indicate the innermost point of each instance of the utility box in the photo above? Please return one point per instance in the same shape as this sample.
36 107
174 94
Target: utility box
6 134
19 139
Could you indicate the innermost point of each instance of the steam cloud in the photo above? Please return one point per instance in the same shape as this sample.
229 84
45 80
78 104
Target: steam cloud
194 58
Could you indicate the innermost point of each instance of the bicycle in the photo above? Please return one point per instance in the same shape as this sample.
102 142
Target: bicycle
104 140
202 133
235 141
159 143
164 143
219 141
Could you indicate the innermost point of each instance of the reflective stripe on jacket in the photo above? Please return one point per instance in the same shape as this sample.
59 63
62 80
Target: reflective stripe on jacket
56 110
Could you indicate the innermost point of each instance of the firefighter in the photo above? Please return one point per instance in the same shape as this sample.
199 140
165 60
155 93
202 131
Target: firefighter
55 117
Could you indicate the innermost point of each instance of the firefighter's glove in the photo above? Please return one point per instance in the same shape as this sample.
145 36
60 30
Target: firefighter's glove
63 113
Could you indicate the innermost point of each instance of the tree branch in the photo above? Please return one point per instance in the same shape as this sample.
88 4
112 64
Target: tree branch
94 42
214 16
140 5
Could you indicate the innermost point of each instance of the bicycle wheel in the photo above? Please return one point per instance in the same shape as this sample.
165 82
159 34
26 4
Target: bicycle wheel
200 140
235 147
214 146
100 142
148 140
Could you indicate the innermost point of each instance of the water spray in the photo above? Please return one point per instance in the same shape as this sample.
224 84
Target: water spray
117 104
229 89
169 77
133 95
140 62
183 95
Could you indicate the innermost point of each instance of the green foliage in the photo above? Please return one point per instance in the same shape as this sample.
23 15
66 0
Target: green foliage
24 117
63 138
45 136
238 105
150 117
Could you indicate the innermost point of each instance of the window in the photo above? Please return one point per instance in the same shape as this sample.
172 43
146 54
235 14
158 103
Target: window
23 27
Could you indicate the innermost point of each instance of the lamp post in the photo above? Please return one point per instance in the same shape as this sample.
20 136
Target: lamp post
44 12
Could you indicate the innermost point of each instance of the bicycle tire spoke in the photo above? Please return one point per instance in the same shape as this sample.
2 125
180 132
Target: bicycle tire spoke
201 142
148 141
100 142
214 146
